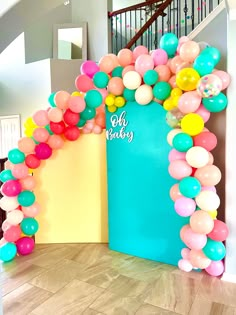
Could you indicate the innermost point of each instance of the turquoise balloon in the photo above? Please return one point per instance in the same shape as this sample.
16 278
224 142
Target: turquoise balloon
26 198
93 98
162 90
8 252
47 127
29 226
81 123
204 64
117 72
88 113
169 42
150 77
214 250
15 156
182 142
51 100
216 103
190 187
213 53
6 175
100 79
129 95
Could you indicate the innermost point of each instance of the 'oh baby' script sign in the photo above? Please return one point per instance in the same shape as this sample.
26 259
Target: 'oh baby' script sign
118 129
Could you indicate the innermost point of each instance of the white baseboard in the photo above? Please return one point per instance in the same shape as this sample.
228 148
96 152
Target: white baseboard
228 277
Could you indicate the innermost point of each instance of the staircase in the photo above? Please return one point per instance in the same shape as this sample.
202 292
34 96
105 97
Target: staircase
146 22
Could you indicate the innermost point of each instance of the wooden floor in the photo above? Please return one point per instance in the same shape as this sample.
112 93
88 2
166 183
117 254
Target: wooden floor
89 279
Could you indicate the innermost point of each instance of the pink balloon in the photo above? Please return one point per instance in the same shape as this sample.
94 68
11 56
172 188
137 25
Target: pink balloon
89 68
12 234
103 92
28 182
189 51
97 129
83 83
159 57
179 169
185 265
211 188
216 268
198 259
144 63
55 114
219 232
20 170
11 188
25 245
185 252
203 112
41 134
225 78
8 165
211 159
140 50
176 155
175 63
55 142
41 118
194 240
175 193
182 40
127 69
185 206
31 211
61 99
164 73
189 102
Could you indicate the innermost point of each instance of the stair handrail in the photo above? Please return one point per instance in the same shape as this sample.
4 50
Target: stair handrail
148 23
133 7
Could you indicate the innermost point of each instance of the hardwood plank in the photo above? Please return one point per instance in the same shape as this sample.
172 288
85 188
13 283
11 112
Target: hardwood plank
147 309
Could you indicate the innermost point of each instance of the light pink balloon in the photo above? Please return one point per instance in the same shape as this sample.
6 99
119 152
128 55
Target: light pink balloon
76 104
159 57
31 211
198 259
182 40
211 159
41 118
144 63
189 102
41 134
203 112
175 63
185 265
97 129
185 253
183 66
194 240
189 51
103 92
140 50
179 169
216 268
28 182
55 114
185 206
176 155
211 188
175 193
20 170
225 78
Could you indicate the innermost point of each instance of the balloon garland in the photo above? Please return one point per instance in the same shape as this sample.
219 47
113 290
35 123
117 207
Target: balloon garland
180 76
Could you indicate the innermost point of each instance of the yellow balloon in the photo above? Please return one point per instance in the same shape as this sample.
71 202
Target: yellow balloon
168 104
119 101
176 92
30 123
192 124
77 93
187 79
111 108
175 100
213 214
110 100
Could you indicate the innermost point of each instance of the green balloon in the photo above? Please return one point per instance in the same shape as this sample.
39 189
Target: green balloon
182 142
190 187
51 100
213 53
47 127
216 103
100 79
117 72
6 175
88 113
214 250
169 42
129 95
8 252
26 198
29 226
204 64
162 90
150 77
93 98
81 123
15 156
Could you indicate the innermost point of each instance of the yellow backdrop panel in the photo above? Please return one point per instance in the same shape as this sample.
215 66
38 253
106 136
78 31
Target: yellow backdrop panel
71 189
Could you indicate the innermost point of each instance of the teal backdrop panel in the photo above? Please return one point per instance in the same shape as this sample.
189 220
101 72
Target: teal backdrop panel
142 219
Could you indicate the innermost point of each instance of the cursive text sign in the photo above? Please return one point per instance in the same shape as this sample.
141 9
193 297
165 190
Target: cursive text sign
121 123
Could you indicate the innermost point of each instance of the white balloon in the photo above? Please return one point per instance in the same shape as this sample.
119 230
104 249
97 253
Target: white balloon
197 157
15 217
9 203
208 200
143 94
132 80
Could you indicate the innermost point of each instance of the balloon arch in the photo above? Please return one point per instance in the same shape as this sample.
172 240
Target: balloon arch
181 77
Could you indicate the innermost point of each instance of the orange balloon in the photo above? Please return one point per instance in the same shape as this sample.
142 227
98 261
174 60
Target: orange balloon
125 57
164 73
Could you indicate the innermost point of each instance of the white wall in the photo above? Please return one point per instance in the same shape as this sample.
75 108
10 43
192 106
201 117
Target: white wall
120 4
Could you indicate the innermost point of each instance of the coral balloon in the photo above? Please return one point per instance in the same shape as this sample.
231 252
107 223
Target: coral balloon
41 134
32 161
198 259
175 193
55 114
55 142
206 139
28 182
26 145
76 104
20 171
12 234
116 86
106 64
219 232
125 57
72 133
164 72
61 99
83 83
189 51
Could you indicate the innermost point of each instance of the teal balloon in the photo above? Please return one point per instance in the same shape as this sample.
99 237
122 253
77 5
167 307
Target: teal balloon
182 142
150 77
6 175
35 141
47 127
129 95
214 250
162 90
88 113
216 103
190 187
29 226
81 123
213 53
51 100
15 156
101 79
169 42
204 64
117 72
8 252
93 98
26 198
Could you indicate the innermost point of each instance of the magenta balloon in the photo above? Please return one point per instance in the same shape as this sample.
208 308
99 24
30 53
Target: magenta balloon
25 245
89 68
11 188
43 151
